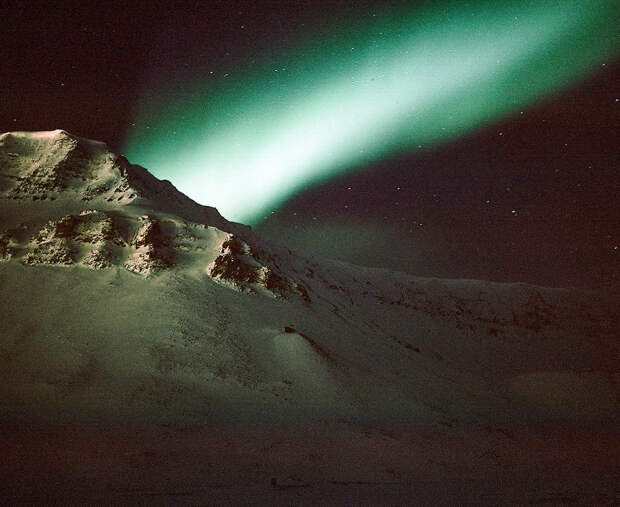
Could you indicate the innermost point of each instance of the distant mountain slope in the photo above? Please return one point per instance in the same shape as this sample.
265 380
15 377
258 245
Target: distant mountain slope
152 350
225 323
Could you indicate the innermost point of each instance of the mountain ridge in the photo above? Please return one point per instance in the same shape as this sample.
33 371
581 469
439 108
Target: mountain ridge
132 307
56 165
61 162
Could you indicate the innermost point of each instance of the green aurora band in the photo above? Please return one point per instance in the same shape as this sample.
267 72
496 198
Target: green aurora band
408 78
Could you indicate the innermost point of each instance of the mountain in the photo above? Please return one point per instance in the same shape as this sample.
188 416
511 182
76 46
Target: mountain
149 348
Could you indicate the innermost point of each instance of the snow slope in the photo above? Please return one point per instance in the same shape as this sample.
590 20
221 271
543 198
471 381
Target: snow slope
127 305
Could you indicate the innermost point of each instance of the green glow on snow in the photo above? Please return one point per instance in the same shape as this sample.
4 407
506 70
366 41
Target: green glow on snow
403 79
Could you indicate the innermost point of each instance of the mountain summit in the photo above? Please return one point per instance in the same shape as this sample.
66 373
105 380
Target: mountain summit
56 164
128 305
121 215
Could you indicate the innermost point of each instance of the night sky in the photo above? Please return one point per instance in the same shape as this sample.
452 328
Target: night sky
530 195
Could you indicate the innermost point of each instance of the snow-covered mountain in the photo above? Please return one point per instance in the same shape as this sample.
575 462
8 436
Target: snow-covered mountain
127 304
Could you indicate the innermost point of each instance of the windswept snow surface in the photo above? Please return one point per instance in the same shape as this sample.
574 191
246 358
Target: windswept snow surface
150 349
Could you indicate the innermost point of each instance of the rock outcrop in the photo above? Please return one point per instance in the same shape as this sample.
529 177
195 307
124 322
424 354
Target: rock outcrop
88 236
153 249
243 268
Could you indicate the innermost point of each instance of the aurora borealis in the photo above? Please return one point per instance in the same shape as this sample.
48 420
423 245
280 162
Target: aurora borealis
389 83
312 113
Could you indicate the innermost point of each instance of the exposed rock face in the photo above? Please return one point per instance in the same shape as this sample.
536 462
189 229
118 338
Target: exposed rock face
49 251
239 266
235 263
99 240
149 233
100 257
57 162
94 239
89 235
5 249
94 226
152 248
52 243
145 245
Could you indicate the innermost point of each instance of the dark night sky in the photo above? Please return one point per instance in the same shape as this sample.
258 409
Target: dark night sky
534 198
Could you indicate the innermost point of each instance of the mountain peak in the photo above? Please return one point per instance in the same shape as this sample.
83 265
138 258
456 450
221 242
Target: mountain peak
58 165
128 305
90 207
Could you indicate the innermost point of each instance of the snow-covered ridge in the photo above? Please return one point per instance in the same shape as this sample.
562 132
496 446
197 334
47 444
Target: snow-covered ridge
126 303
241 267
56 164
122 216
93 208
